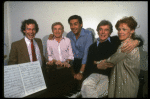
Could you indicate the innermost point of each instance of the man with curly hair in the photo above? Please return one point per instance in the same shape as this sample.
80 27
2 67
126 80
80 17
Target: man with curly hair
29 48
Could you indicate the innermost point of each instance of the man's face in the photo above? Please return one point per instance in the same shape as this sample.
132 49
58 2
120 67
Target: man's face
104 32
58 31
30 31
124 32
75 26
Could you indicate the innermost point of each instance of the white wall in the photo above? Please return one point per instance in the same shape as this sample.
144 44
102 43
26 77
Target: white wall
92 12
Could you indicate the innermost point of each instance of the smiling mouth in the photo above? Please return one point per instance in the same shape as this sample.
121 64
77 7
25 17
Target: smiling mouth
31 35
73 30
103 35
120 35
57 33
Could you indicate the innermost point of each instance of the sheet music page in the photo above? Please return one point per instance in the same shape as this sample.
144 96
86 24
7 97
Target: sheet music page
23 79
13 85
32 77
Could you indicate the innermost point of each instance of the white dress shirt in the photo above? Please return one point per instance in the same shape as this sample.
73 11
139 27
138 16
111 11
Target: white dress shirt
59 51
37 51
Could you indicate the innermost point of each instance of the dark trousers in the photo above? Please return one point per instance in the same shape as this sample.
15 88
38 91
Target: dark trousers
77 65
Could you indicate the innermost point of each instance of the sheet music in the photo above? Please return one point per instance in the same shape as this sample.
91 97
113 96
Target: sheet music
23 79
13 86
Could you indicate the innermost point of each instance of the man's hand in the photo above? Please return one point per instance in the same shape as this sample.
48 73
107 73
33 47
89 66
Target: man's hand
129 46
66 64
50 36
104 65
59 63
78 76
50 63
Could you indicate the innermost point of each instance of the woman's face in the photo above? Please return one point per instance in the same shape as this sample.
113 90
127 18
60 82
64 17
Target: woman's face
124 32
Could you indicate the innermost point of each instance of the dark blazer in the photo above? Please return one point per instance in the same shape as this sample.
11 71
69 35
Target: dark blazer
19 52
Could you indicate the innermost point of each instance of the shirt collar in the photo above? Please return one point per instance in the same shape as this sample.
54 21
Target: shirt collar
27 40
82 33
98 40
61 38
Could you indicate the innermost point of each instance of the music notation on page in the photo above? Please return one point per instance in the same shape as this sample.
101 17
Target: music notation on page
23 79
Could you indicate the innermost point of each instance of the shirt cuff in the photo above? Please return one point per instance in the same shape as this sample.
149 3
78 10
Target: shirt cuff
50 58
83 61
71 58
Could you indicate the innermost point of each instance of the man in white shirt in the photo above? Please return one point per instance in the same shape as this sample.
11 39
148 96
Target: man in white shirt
59 48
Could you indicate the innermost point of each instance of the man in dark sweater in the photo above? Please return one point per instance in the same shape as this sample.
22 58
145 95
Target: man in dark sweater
103 48
99 52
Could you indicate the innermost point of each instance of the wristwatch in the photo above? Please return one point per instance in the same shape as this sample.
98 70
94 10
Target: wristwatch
81 72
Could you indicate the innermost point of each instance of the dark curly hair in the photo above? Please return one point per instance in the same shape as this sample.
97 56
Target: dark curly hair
75 17
29 21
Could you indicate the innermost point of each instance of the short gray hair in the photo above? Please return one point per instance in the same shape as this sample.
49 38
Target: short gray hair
105 22
57 23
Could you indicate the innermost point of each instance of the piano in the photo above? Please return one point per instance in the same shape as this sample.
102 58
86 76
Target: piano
74 94
60 84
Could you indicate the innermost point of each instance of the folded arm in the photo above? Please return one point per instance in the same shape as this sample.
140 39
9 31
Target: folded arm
112 60
116 57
